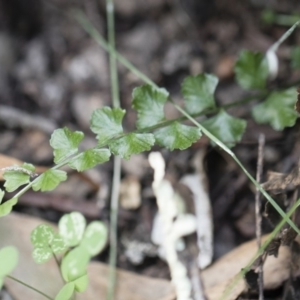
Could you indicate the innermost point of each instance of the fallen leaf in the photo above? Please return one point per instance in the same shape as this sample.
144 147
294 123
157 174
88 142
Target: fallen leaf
280 182
15 230
273 247
288 236
217 277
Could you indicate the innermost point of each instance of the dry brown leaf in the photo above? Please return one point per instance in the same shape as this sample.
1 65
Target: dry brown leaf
215 292
280 182
288 235
7 161
15 230
216 278
273 247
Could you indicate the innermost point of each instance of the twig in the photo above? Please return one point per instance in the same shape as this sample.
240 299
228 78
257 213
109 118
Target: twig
258 218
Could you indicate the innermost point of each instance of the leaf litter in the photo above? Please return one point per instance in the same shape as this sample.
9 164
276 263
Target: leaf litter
231 192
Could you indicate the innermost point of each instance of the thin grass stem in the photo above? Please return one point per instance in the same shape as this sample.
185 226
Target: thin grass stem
114 201
29 286
92 31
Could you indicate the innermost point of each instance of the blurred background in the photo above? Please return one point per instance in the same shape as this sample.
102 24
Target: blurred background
53 74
